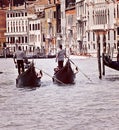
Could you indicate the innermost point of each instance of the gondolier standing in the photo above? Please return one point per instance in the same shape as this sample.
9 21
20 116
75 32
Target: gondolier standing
60 57
19 56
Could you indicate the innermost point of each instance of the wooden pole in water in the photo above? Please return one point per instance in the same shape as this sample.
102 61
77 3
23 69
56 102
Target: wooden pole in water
104 52
103 65
99 57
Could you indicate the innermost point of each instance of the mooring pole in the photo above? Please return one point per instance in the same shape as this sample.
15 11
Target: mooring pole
99 57
103 65
103 53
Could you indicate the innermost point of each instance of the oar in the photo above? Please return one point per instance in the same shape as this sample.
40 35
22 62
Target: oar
51 76
81 71
74 64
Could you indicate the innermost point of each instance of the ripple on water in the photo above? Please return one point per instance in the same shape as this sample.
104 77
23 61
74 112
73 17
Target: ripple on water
85 105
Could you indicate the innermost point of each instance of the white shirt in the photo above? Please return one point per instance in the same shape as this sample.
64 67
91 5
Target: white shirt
60 55
20 55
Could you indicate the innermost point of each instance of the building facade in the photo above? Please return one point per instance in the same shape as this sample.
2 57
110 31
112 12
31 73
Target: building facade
77 24
2 30
17 28
97 19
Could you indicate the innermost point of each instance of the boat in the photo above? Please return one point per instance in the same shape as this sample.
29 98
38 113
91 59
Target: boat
29 78
65 75
41 56
51 56
107 61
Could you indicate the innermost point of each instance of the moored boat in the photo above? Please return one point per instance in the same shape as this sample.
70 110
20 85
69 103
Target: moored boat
29 78
41 56
110 63
65 75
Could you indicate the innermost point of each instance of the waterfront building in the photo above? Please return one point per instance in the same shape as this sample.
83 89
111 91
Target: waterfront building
81 25
17 28
33 26
24 27
3 7
100 18
52 26
77 24
97 20
2 29
71 34
63 23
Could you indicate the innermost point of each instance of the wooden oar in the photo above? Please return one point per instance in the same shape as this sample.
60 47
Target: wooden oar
81 71
51 76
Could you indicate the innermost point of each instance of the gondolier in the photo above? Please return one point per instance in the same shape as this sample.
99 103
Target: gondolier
19 56
60 57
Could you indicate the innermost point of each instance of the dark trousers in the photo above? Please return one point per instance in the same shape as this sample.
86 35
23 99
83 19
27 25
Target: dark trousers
20 65
60 64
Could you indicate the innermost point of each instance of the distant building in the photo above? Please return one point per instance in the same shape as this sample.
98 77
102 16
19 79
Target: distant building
17 28
23 27
2 29
97 19
70 11
53 25
76 24
3 7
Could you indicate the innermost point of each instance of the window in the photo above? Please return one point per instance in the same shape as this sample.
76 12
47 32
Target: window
114 45
26 40
108 35
88 46
30 27
22 39
118 31
25 13
33 27
88 36
22 14
114 35
93 36
93 46
54 14
38 26
8 15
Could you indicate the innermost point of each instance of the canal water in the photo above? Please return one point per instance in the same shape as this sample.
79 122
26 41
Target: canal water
89 104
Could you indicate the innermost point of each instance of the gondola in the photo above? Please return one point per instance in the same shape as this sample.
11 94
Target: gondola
64 75
29 78
110 63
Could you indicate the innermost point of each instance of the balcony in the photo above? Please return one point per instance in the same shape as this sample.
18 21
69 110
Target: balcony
100 27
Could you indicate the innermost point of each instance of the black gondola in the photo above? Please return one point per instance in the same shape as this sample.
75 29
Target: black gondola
110 63
65 75
29 78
